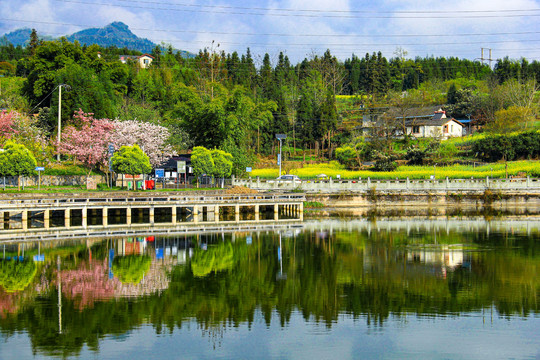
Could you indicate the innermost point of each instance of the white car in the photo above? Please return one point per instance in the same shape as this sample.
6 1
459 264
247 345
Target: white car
292 178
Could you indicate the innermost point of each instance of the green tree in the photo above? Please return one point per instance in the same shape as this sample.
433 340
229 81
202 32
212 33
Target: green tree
509 120
202 161
347 156
88 90
34 42
223 163
16 160
61 61
451 94
131 160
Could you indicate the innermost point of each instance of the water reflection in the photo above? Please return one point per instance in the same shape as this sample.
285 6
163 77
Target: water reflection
67 294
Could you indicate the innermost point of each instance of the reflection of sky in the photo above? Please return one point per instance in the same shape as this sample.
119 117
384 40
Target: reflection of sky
470 336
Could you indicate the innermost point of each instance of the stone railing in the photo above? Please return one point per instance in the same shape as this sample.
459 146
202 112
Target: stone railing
337 185
69 201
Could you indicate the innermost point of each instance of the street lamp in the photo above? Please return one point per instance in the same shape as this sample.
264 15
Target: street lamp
60 115
280 137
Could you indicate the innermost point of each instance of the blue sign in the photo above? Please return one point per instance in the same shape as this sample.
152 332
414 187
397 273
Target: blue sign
39 258
39 168
160 173
159 253
111 258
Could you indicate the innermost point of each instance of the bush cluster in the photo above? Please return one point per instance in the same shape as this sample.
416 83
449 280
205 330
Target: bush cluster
513 147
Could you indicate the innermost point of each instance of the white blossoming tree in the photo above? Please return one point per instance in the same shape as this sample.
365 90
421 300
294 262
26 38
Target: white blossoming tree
150 138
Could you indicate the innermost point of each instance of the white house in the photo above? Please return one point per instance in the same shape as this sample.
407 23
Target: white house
436 125
144 60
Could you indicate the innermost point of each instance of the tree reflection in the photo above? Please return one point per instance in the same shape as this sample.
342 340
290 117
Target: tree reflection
132 268
364 275
16 275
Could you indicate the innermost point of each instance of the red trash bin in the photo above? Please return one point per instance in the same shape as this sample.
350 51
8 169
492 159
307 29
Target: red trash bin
149 184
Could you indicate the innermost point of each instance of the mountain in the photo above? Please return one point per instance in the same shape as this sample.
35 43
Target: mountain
115 34
20 37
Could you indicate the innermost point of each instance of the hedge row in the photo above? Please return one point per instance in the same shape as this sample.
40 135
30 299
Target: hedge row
510 147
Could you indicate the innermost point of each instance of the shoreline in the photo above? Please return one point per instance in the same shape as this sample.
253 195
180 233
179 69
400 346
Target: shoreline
427 198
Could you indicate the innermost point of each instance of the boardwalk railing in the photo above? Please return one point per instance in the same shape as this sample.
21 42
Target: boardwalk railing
157 200
174 212
334 185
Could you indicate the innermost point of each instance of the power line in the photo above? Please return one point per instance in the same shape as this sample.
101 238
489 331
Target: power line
258 44
283 34
325 14
327 11
338 48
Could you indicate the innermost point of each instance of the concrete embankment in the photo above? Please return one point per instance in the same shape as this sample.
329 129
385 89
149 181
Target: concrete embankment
406 192
374 198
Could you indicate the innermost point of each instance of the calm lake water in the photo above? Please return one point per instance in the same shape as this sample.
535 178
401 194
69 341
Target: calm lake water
342 288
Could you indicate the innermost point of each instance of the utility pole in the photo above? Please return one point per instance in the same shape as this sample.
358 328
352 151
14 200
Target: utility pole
280 137
213 54
488 59
59 121
60 116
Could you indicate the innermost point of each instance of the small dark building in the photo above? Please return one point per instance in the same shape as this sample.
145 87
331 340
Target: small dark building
170 167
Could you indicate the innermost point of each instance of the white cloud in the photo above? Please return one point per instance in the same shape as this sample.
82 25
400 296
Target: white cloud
374 21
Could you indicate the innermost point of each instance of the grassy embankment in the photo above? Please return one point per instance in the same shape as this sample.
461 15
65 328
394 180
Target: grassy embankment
82 189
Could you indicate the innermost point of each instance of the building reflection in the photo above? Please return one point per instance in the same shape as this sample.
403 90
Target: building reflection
443 258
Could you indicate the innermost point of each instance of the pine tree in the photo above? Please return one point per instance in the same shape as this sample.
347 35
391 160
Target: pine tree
34 42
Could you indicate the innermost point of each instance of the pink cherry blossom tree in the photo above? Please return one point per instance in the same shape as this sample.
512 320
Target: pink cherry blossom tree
7 122
151 138
88 143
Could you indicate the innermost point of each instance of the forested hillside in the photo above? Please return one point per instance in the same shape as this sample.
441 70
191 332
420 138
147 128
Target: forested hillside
238 102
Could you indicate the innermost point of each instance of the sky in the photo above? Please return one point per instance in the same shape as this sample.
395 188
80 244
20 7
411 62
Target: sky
302 28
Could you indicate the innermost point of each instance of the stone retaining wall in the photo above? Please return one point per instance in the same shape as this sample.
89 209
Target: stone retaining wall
52 180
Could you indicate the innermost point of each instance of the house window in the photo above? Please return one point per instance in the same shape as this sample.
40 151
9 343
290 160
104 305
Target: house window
445 129
416 129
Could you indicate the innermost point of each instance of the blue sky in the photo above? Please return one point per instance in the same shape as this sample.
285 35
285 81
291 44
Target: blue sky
302 28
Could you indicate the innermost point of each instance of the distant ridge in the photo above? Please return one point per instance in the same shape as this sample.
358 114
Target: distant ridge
115 34
21 37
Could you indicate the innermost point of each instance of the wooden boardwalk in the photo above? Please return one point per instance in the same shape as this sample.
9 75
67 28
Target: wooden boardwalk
122 215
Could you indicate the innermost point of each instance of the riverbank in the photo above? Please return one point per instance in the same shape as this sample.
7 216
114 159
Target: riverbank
374 198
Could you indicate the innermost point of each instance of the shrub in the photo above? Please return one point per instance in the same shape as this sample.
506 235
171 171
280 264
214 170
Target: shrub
445 153
347 156
384 162
415 156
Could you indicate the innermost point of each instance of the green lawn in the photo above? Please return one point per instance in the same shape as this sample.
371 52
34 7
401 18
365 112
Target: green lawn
82 189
